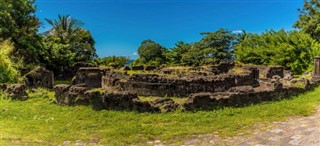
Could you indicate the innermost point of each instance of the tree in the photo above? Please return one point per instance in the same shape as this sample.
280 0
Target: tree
216 46
70 32
151 53
67 43
113 61
294 50
174 56
19 23
309 18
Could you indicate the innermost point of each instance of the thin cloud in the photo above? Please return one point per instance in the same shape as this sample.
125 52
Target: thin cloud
135 54
237 31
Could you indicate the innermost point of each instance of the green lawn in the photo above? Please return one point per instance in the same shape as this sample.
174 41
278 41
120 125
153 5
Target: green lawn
38 121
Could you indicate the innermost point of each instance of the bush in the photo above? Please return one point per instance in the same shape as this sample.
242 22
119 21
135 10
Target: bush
294 50
8 72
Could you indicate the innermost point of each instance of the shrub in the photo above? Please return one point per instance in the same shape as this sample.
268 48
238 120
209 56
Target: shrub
8 72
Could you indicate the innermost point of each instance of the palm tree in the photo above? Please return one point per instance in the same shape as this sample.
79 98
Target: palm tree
65 28
70 31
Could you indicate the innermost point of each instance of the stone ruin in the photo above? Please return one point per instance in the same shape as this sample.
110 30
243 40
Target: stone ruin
205 88
40 77
37 78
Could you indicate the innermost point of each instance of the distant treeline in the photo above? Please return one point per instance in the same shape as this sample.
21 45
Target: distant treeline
67 42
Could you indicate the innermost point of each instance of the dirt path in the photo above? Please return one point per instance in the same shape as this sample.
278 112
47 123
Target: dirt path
294 131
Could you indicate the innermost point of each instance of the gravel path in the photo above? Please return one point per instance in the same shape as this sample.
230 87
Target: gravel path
294 131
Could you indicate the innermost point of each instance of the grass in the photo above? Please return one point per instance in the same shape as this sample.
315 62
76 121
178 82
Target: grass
38 121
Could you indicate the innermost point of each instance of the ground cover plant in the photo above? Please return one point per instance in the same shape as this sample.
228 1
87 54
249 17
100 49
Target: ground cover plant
39 121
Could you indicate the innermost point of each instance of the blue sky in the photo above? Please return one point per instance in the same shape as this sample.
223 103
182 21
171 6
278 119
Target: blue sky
119 26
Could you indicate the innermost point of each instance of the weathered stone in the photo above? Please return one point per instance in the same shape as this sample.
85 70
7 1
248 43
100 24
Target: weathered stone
301 83
165 104
288 75
90 76
126 102
95 99
3 87
69 72
150 68
223 67
76 95
140 67
242 89
271 71
199 101
40 77
17 92
61 91
126 68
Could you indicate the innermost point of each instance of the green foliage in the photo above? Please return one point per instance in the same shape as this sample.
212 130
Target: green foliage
8 72
151 53
113 61
38 121
19 24
293 50
67 43
309 18
213 48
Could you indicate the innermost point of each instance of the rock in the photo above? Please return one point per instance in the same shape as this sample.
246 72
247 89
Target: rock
288 75
61 91
90 76
242 89
95 98
140 67
199 101
40 77
69 72
150 68
125 102
17 92
126 68
3 87
271 71
275 83
76 96
165 104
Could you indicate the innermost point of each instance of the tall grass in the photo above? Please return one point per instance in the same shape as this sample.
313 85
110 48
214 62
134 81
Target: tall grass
8 72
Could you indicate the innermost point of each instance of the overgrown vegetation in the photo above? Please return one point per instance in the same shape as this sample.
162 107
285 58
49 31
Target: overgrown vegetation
67 42
8 71
40 122
113 61
293 50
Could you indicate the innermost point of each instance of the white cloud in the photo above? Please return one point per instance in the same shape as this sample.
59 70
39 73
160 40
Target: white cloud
237 31
135 54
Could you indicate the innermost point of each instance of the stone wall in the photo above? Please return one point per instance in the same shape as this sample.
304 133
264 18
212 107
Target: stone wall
15 91
89 76
270 71
210 101
101 100
156 85
69 72
40 77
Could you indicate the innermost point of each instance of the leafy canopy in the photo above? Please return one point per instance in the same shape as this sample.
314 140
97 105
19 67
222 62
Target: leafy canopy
67 43
309 18
19 24
8 72
294 50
